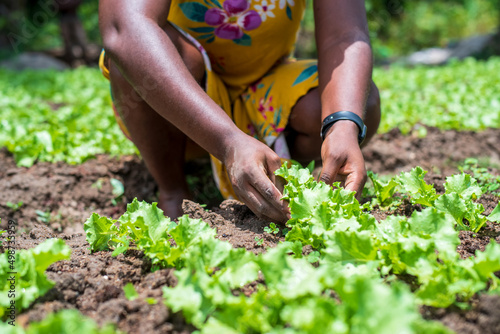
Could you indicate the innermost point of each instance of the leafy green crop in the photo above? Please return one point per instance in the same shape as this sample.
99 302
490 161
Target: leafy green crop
28 267
67 116
272 229
495 214
488 182
63 322
383 191
354 285
142 223
130 292
421 192
58 116
457 201
461 95
422 246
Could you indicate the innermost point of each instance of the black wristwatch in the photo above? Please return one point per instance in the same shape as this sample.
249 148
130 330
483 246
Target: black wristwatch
344 116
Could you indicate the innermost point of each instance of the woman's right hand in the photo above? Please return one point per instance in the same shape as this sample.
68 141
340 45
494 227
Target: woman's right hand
251 165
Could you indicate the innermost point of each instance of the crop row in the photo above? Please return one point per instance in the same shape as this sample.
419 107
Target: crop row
67 116
350 283
354 281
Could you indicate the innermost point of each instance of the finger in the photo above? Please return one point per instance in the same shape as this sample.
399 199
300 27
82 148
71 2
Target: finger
270 193
279 183
273 164
263 209
340 178
330 170
355 182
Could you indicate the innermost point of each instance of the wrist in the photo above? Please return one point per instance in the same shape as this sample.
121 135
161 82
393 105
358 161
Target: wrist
347 128
231 143
341 117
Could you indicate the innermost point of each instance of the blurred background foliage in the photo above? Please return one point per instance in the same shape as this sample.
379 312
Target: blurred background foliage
397 27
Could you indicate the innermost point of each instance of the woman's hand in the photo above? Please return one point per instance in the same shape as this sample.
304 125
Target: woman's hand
251 165
342 157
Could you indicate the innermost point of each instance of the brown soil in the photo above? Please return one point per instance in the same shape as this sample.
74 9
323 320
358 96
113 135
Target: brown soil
439 152
93 283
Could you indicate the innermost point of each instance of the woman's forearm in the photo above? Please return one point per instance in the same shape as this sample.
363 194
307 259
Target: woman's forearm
344 55
150 62
345 71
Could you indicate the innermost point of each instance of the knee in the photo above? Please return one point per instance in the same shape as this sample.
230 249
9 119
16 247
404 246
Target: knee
373 102
373 113
305 117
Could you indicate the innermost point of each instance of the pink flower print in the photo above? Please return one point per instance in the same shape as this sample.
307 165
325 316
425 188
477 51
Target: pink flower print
233 19
264 106
278 130
253 87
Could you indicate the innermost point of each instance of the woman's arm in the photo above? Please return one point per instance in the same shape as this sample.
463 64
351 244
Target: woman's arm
345 69
147 58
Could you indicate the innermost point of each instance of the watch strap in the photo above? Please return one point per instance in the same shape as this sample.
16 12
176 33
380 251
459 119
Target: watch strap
344 116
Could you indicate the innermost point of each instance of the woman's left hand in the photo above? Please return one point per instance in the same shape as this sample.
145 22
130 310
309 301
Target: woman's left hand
342 157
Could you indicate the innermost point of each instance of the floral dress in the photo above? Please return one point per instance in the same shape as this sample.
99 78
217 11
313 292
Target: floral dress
246 46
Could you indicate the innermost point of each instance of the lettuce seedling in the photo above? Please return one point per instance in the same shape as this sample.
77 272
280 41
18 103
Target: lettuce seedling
420 192
383 191
30 265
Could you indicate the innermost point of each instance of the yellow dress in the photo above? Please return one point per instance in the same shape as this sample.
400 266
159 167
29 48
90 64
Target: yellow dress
246 45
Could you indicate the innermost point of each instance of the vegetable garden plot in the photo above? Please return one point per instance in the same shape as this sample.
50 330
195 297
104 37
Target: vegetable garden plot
93 283
66 116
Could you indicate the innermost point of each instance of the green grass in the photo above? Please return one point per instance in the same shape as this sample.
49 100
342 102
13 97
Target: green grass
67 116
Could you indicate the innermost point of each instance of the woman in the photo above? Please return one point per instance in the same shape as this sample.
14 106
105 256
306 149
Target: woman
216 74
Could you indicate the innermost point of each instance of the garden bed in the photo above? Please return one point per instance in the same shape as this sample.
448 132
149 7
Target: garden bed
58 198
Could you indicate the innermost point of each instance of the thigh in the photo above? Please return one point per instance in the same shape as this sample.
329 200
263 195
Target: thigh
268 103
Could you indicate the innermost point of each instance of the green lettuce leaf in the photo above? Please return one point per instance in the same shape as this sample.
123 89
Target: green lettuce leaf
29 267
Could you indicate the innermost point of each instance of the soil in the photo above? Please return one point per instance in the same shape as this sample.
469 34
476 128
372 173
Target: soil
439 152
93 283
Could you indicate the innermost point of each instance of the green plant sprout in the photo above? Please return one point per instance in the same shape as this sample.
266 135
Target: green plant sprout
97 184
46 216
14 206
43 216
488 182
118 190
259 241
272 229
130 292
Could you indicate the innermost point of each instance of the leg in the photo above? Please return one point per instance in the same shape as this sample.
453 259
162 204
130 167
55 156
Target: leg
304 124
161 144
